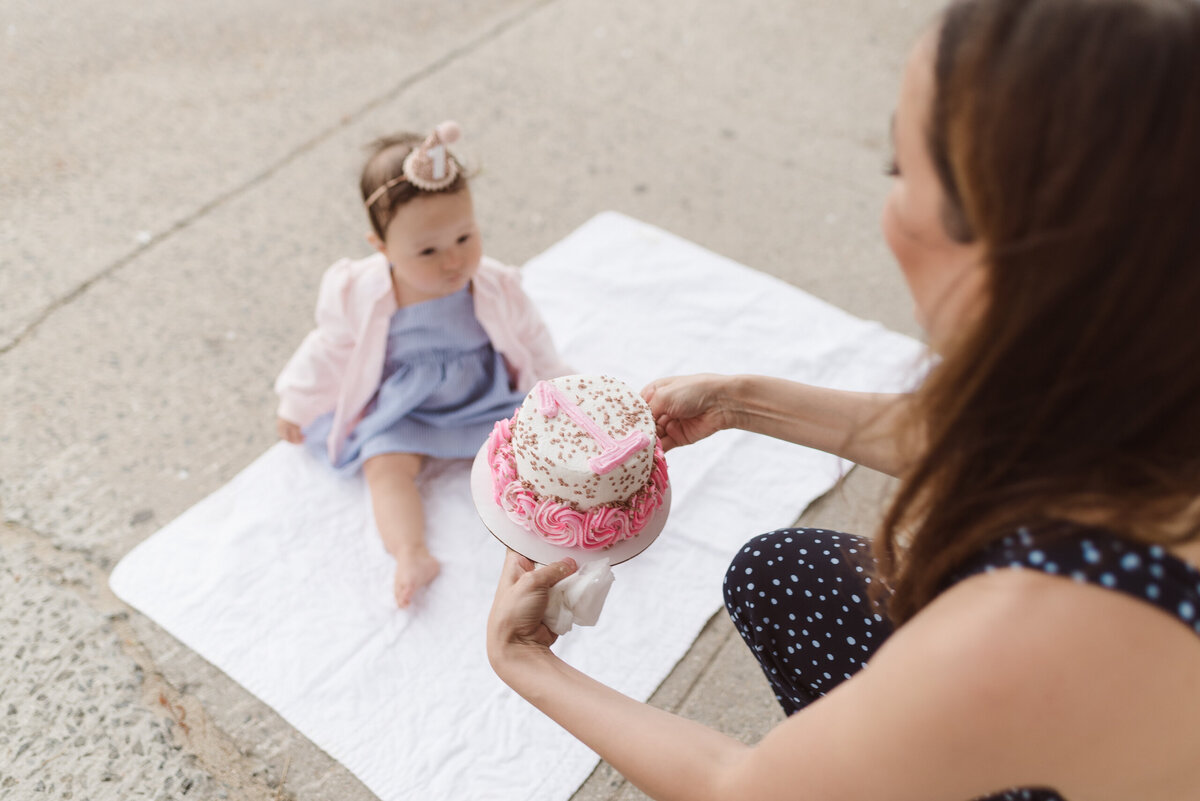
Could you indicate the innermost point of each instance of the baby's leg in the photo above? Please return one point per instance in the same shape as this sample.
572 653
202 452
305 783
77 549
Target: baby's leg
400 518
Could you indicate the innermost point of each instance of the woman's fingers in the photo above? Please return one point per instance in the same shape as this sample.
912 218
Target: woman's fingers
547 576
544 577
515 566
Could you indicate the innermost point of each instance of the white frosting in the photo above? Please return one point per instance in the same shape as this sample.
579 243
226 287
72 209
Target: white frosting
552 453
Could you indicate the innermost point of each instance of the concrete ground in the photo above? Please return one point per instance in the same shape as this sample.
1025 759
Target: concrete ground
175 176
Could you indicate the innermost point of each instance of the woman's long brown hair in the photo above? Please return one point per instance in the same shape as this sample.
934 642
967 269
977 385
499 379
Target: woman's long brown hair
1066 134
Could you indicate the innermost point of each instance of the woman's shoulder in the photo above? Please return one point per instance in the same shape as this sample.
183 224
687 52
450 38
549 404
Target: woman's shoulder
1079 596
1038 660
1009 678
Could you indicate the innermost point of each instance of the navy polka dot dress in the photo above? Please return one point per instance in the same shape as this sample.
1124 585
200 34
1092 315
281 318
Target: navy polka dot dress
799 598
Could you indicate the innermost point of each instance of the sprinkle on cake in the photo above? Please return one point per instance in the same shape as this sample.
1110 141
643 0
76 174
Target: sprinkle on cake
579 463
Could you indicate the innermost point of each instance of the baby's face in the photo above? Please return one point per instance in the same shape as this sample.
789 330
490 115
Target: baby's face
433 245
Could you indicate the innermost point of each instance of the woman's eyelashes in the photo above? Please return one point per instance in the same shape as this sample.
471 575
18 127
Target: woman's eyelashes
891 168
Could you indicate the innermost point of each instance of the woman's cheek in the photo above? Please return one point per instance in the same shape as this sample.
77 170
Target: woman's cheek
894 234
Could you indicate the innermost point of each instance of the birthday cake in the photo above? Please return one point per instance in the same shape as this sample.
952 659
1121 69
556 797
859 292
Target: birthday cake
579 463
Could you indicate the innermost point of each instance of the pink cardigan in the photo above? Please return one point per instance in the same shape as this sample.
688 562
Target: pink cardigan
339 365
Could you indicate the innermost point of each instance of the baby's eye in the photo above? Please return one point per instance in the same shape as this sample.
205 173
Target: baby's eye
428 251
463 238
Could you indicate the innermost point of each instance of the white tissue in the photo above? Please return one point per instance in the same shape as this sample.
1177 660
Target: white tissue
578 598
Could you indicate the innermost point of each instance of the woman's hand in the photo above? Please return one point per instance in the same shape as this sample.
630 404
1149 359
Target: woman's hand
688 408
515 624
288 431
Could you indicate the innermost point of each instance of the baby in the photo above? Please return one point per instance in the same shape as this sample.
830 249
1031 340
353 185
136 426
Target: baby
419 349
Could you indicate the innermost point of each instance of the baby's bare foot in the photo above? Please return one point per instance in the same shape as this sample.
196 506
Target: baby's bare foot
414 570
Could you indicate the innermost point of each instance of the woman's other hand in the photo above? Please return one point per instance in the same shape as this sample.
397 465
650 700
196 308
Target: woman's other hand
688 408
288 431
515 624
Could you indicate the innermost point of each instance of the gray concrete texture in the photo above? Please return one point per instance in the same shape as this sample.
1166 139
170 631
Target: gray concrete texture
174 177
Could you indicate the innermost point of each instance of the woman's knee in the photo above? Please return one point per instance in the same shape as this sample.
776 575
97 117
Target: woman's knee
787 568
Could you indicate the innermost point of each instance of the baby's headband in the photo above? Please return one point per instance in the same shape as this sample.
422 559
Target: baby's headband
429 166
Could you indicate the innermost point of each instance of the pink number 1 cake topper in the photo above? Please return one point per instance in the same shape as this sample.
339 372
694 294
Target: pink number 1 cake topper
612 452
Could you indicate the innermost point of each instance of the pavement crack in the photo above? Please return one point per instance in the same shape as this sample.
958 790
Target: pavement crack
189 726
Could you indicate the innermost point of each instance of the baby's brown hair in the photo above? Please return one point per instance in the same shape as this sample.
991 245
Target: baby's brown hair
385 183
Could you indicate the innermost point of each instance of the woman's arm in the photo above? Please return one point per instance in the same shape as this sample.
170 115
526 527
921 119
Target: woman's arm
995 685
866 428
667 756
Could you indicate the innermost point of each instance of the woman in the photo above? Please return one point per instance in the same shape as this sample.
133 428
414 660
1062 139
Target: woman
1033 627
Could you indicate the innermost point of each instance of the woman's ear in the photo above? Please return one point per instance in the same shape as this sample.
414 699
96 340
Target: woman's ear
376 242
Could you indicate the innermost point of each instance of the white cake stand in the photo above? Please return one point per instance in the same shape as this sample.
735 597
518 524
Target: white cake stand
531 546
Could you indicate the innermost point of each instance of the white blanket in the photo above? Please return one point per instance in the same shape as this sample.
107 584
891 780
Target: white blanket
280 580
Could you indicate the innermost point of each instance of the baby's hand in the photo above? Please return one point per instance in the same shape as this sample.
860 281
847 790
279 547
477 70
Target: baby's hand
288 431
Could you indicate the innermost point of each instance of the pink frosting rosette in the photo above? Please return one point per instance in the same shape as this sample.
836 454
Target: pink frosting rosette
560 523
606 526
647 501
500 458
519 501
